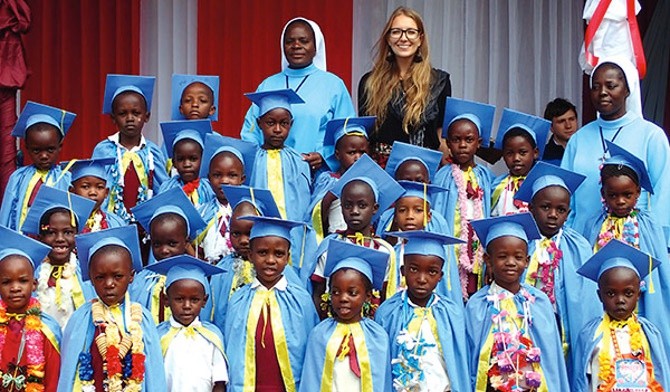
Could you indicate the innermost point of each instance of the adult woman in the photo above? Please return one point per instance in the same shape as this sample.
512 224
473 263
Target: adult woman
304 71
402 90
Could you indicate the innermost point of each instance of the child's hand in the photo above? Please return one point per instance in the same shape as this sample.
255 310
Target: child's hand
314 159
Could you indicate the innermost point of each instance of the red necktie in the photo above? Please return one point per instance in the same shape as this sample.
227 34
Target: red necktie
37 186
131 185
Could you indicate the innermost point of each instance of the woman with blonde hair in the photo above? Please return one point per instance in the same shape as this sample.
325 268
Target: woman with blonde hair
405 93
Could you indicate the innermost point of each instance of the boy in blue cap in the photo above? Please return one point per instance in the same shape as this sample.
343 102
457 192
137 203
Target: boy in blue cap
43 129
111 341
620 351
408 162
348 351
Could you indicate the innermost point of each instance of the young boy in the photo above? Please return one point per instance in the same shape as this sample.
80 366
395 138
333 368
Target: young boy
268 321
619 351
413 163
128 103
185 334
513 341
35 366
111 343
43 129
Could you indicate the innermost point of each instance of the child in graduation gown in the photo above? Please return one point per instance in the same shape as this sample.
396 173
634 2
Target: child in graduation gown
348 351
619 350
32 366
513 340
111 332
43 129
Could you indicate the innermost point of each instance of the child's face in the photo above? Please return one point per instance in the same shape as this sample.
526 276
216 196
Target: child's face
240 230
619 291
59 235
16 283
550 208
507 257
463 141
349 149
187 159
225 169
269 255
91 187
111 272
168 237
422 274
186 297
43 144
412 170
275 125
409 213
519 155
197 101
620 194
129 114
358 205
347 295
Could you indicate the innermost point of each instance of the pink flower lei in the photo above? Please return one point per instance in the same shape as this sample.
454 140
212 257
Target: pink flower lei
546 270
628 231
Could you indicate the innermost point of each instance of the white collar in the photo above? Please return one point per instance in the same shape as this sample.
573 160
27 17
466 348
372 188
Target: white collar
494 288
115 139
281 285
176 324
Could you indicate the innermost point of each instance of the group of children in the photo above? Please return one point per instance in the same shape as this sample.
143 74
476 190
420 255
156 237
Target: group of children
218 264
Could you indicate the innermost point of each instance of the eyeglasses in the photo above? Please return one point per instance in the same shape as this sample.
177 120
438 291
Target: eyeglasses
411 34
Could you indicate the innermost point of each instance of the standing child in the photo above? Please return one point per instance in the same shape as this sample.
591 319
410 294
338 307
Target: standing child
408 162
43 129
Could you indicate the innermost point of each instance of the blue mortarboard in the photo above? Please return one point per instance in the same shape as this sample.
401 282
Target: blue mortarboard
369 262
425 243
403 152
79 168
620 156
537 127
14 243
176 131
34 113
184 267
518 225
271 227
480 114
243 150
421 190
618 254
117 84
269 100
48 198
172 201
544 175
180 82
336 129
261 199
124 236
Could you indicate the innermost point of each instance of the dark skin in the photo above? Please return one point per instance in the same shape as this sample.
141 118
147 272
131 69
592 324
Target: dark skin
168 238
412 170
43 145
609 91
620 194
225 169
197 101
269 255
619 291
129 114
111 272
507 258
240 229
275 126
60 237
91 187
187 158
17 282
463 141
422 274
348 293
358 207
550 208
409 213
519 155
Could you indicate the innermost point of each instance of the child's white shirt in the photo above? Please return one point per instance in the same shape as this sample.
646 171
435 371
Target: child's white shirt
432 363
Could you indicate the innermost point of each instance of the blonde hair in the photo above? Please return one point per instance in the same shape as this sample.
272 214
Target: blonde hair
384 81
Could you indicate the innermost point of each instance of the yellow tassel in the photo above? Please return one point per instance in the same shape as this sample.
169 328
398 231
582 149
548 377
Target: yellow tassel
651 279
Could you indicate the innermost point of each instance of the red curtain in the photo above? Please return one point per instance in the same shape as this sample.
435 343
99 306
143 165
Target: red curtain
71 47
239 41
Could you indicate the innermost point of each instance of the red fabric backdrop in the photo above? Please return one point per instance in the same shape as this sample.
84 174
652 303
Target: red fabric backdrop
239 41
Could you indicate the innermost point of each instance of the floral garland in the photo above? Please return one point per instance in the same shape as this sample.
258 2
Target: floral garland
243 273
145 192
96 222
60 299
406 367
626 229
546 268
33 380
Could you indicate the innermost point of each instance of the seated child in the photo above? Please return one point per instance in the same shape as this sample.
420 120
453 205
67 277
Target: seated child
348 351
185 334
42 128
513 340
111 343
620 351
23 320
55 219
521 138
128 103
268 321
424 325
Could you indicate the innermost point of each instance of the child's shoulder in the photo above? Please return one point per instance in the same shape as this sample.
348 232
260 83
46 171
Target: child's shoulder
390 305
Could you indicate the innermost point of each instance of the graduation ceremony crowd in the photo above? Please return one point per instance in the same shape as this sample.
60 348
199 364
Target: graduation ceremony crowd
335 249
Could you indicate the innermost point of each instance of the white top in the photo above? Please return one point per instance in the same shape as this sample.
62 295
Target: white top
344 380
335 218
505 205
214 244
281 285
47 295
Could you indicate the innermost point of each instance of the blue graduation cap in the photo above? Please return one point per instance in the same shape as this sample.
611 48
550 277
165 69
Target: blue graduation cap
261 199
79 168
621 156
172 201
243 150
269 100
425 243
179 84
34 113
176 131
403 152
336 129
522 226
184 267
480 114
271 227
48 198
421 190
369 262
14 243
124 236
618 254
117 84
537 127
544 175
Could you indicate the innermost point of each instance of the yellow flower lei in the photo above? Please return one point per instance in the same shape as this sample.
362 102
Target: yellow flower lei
605 362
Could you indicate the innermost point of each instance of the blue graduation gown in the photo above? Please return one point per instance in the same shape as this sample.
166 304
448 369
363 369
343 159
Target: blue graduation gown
446 203
376 342
205 192
395 313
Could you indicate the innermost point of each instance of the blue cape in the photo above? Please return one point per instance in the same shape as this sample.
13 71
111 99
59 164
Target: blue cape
205 192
